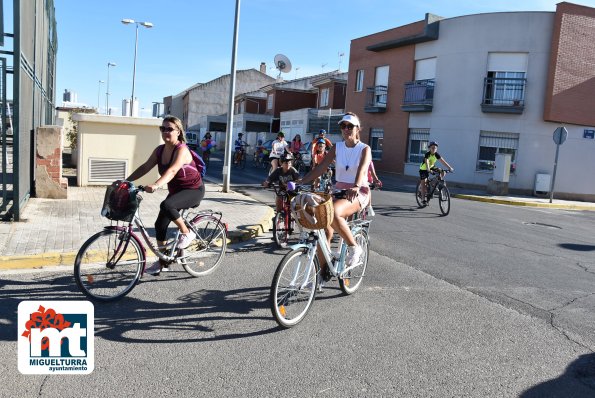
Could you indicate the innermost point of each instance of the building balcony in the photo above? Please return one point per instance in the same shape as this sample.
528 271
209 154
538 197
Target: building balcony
503 95
376 98
419 96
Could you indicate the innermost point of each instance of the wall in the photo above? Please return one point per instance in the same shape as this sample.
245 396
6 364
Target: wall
116 137
394 122
49 182
571 78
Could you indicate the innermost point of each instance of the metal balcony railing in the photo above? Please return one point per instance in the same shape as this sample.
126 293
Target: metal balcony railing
376 99
503 95
419 96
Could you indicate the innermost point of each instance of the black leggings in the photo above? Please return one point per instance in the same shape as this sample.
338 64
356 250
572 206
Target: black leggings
169 208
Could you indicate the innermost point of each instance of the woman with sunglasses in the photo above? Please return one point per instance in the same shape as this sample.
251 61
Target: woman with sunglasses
351 173
184 182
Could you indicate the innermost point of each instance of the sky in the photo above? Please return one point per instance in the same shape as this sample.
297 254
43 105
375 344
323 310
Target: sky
191 40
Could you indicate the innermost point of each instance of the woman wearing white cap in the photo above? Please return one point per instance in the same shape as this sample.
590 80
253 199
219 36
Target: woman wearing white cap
351 172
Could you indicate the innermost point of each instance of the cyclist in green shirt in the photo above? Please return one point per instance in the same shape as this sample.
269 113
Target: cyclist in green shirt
427 165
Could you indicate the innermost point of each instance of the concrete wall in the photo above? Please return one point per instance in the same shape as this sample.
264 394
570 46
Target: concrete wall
456 119
212 98
116 138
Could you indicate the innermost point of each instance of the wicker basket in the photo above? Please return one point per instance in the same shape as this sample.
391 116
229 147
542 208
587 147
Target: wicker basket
318 216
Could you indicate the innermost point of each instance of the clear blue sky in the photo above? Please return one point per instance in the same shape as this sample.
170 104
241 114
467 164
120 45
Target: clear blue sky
191 40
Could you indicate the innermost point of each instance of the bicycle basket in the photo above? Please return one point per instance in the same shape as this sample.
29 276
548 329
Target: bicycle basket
120 202
313 211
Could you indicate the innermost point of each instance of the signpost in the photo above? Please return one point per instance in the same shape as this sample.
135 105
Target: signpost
560 136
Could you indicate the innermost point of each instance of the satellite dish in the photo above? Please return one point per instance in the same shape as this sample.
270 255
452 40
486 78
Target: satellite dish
282 63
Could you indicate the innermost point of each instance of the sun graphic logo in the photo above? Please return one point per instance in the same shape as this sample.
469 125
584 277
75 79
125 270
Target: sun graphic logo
56 337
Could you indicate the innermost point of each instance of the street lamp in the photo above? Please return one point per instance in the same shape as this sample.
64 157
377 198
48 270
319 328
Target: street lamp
99 94
107 89
146 25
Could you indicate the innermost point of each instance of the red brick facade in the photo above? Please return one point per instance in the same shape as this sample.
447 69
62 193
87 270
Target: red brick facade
401 64
570 93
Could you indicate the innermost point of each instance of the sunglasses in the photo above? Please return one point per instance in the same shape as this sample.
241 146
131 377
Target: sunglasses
344 126
164 129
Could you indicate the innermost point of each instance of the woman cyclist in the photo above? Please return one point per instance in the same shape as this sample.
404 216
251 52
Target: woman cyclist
352 158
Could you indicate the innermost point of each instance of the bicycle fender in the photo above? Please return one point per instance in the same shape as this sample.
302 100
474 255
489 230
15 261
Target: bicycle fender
299 246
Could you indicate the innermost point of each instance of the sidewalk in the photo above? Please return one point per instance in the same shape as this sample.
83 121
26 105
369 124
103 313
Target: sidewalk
52 231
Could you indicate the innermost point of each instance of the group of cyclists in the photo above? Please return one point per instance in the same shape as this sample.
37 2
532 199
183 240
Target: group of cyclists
352 160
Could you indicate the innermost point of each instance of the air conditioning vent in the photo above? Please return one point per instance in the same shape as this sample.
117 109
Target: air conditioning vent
107 170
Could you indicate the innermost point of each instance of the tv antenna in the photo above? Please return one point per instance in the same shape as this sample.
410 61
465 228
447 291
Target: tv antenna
283 64
296 71
341 55
323 65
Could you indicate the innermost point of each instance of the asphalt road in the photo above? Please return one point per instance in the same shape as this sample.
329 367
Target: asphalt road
490 301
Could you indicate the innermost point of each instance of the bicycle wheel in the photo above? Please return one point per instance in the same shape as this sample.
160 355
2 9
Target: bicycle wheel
351 281
418 195
108 265
293 288
206 157
444 200
206 252
280 230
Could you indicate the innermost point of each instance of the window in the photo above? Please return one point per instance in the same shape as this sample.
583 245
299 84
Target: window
324 97
491 143
505 88
376 138
270 101
418 145
359 80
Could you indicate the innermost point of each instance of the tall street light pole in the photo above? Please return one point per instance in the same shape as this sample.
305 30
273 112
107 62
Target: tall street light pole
146 25
107 89
232 89
99 94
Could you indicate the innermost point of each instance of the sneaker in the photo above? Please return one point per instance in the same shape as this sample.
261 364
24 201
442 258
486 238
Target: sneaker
154 269
165 268
353 255
185 240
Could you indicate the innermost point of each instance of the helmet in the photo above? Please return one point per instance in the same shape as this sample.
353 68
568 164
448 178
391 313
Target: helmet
432 143
321 141
287 157
322 131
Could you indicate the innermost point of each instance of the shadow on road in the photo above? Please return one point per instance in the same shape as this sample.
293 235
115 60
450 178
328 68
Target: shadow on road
577 247
406 211
204 315
578 381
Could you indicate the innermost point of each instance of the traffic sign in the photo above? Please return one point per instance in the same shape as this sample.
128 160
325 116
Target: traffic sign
560 135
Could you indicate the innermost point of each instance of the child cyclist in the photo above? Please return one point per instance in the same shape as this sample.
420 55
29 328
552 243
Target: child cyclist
282 175
317 157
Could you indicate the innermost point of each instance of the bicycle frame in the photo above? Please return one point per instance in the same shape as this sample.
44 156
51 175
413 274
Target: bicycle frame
137 222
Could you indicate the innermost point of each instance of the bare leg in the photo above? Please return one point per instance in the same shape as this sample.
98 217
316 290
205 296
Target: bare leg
181 225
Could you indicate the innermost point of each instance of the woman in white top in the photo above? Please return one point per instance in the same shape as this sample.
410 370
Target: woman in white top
351 172
278 149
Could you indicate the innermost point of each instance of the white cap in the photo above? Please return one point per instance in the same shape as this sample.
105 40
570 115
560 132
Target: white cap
350 119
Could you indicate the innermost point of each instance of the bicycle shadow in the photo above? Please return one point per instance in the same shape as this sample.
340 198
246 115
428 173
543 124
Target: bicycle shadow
408 211
577 381
200 316
577 247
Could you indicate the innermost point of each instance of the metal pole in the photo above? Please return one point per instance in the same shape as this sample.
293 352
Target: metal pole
99 94
134 69
554 176
232 86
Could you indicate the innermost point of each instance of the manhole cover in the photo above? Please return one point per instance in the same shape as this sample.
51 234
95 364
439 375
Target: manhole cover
538 224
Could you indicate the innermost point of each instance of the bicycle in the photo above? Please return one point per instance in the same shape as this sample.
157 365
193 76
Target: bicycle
436 182
283 222
298 162
298 275
239 157
206 157
259 160
111 262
